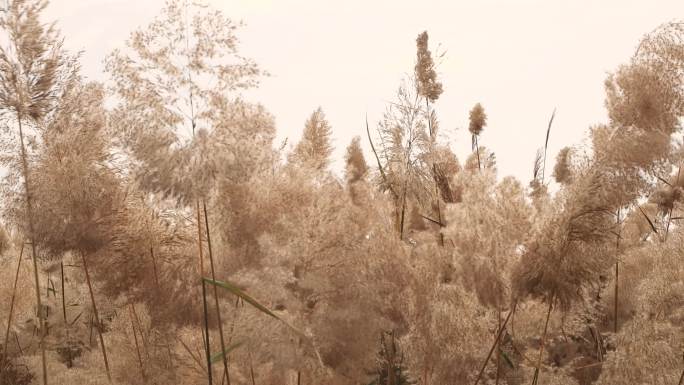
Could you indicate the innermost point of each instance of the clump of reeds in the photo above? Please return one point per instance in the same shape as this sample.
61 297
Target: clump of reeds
568 251
34 71
557 262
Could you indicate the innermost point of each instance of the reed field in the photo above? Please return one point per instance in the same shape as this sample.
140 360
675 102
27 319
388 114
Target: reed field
153 230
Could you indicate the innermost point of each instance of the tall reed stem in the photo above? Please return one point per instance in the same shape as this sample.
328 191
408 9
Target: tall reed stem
477 151
137 347
434 173
498 347
61 278
251 367
617 272
97 316
496 342
537 370
403 213
64 315
138 324
165 334
216 298
29 214
206 331
11 309
205 335
669 216
154 268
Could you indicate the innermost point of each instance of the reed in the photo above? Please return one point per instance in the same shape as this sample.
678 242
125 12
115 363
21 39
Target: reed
11 309
216 296
137 347
98 323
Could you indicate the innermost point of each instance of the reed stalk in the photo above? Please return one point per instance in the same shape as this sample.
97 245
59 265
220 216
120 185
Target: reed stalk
64 314
29 214
11 309
206 331
137 347
97 316
496 342
216 298
617 272
537 370
205 334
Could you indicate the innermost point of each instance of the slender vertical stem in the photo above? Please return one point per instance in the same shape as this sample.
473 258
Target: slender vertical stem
193 122
669 216
137 347
16 339
617 272
496 341
64 315
11 309
441 224
667 226
477 150
154 267
251 367
90 322
434 173
165 335
513 324
537 370
140 330
97 316
403 214
61 275
199 241
498 348
29 214
615 311
407 176
206 332
216 298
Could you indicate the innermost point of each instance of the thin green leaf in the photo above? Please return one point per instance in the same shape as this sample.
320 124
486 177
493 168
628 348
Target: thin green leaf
507 359
238 292
246 297
219 356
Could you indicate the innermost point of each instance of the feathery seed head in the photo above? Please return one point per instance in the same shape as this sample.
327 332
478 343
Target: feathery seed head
478 119
427 83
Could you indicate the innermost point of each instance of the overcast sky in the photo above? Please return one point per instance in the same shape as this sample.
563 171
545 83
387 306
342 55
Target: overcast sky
520 59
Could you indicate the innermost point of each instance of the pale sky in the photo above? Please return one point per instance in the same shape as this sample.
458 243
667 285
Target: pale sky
520 59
